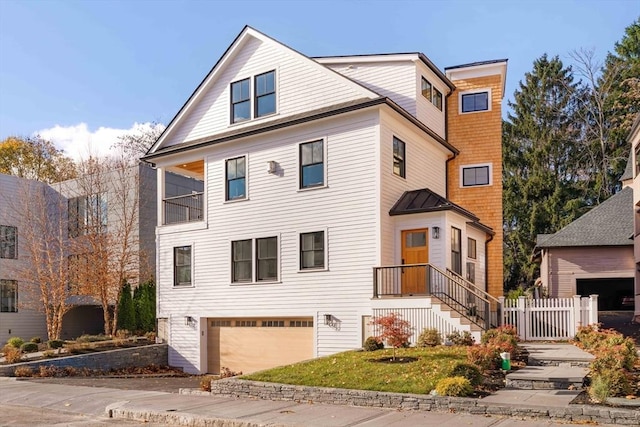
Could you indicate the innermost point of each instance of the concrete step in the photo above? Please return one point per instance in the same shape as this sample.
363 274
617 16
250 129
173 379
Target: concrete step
563 377
557 355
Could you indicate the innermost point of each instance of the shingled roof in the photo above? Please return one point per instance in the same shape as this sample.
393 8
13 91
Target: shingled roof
608 224
628 172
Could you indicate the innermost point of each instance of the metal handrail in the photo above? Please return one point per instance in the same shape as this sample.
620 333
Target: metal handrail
184 208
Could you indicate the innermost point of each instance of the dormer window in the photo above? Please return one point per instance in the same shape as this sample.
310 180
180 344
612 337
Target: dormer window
262 95
431 93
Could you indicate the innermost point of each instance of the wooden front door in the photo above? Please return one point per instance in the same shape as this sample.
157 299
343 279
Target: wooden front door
415 250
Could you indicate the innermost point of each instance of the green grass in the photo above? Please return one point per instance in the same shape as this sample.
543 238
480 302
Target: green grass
358 370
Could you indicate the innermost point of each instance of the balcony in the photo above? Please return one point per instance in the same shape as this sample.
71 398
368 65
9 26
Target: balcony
425 280
180 209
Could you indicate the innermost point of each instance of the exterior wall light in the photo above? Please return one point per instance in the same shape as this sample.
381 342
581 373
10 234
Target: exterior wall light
435 232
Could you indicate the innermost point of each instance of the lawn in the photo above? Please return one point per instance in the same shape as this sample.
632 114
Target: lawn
362 370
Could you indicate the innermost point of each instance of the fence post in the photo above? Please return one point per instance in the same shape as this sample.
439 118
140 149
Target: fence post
593 309
522 322
575 315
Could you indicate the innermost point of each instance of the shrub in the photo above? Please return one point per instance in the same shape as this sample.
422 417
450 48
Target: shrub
599 389
48 371
205 382
495 332
123 333
372 344
126 309
616 383
226 372
23 371
36 340
429 337
393 329
11 354
53 344
516 293
48 354
15 342
485 357
29 347
468 371
144 300
454 386
461 338
74 348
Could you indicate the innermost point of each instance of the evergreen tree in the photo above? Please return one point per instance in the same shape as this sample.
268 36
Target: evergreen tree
543 190
145 305
126 309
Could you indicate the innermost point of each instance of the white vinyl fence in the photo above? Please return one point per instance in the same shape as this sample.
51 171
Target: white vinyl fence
549 318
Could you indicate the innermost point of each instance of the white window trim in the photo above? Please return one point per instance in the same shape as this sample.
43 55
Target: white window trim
246 178
254 269
477 165
325 145
470 92
326 251
173 266
252 79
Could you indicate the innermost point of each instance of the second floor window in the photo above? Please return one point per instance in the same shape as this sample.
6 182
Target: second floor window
312 254
240 101
471 248
475 102
265 88
312 164
427 89
475 175
8 296
87 215
254 258
398 157
8 242
182 266
236 178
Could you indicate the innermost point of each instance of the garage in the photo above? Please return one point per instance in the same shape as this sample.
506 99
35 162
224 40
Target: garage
613 293
252 344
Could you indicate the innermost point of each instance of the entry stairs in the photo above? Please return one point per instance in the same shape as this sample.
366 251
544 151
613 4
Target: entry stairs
551 367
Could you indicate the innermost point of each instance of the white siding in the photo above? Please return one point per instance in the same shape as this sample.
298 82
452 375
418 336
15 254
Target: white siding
426 112
27 322
395 80
346 209
301 85
425 168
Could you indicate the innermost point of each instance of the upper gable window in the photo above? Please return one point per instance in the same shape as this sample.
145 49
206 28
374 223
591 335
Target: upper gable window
398 157
265 94
475 101
240 101
312 164
8 242
431 93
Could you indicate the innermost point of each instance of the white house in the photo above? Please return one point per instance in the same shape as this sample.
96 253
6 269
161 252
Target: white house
321 179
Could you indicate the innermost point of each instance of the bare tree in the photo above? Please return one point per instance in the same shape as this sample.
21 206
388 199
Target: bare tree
43 274
136 143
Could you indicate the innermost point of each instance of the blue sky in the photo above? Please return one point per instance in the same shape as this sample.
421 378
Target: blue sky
90 70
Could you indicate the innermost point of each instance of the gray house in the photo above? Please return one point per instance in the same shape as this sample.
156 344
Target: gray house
593 255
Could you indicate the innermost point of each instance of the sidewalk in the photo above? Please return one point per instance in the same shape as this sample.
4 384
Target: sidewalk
170 408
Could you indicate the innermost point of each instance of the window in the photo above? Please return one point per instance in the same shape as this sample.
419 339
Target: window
235 176
471 272
475 102
312 255
398 157
240 101
273 323
182 266
471 248
246 323
456 252
476 175
301 323
312 164
8 296
264 261
267 259
8 242
437 99
241 261
220 323
87 214
265 87
427 89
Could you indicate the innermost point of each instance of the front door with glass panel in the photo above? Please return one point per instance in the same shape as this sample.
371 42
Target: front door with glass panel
415 250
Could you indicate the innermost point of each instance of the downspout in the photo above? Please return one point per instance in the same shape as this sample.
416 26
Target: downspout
486 262
446 138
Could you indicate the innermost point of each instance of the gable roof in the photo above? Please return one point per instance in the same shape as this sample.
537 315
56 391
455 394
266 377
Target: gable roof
235 46
628 171
608 224
426 200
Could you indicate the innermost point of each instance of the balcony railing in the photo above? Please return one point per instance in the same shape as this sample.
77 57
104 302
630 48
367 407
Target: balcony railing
427 280
183 208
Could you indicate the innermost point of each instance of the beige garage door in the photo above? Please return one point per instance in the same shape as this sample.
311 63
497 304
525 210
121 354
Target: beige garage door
249 345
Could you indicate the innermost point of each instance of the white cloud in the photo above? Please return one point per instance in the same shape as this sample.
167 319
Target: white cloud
78 142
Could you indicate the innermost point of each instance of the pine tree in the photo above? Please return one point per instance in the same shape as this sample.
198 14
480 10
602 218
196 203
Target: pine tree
126 309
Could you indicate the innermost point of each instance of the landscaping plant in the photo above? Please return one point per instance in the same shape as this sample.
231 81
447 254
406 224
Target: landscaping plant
461 338
468 371
12 354
429 337
454 386
29 347
15 342
372 344
394 330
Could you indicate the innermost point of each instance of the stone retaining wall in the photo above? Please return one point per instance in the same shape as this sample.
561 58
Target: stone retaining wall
155 354
231 387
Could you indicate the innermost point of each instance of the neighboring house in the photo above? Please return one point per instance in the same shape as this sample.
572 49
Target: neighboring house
634 175
593 255
334 189
88 206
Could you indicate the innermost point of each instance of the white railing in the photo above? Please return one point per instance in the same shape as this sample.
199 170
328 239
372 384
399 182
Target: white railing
549 318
